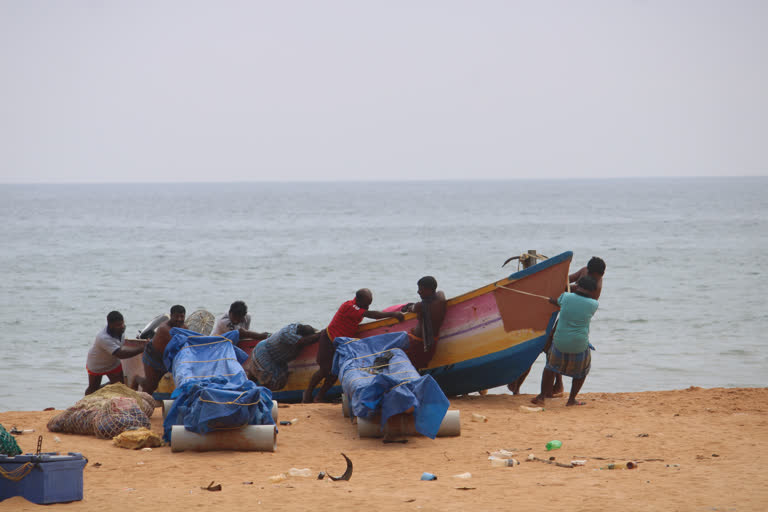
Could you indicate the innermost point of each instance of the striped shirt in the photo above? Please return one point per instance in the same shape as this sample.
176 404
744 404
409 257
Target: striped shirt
273 355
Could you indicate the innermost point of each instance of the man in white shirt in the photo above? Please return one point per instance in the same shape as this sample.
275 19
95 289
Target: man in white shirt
239 320
107 351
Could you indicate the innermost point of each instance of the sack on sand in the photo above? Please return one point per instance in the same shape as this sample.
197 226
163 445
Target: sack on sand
137 439
118 415
105 413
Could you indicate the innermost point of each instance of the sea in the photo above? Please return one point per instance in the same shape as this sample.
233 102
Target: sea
682 300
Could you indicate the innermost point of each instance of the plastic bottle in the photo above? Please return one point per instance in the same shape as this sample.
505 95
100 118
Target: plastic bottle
525 408
500 463
428 476
554 444
502 454
463 475
479 418
299 472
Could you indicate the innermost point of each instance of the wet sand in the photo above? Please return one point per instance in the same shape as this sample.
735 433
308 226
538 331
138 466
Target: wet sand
697 449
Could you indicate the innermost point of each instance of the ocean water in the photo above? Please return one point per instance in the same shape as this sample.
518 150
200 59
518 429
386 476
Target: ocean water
682 294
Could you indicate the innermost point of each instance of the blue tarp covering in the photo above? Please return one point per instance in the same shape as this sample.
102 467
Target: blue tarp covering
212 391
377 376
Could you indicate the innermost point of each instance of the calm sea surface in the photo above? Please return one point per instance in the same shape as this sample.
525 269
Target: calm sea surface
682 304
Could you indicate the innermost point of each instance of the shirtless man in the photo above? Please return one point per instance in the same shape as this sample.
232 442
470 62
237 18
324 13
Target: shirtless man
238 320
431 313
595 269
154 368
107 351
344 324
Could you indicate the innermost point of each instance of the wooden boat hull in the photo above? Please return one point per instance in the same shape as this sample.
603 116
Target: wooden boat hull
489 337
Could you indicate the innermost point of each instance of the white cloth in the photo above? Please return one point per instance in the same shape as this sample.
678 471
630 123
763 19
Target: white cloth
101 358
224 324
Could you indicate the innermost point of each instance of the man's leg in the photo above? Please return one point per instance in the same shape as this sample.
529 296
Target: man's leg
557 389
575 387
514 387
151 379
313 382
547 377
116 377
330 380
94 382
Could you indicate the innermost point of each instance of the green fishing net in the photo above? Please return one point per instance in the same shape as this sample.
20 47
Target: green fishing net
8 445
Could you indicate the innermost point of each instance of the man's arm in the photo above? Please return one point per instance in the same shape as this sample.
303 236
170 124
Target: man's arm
125 352
576 275
308 340
378 315
250 335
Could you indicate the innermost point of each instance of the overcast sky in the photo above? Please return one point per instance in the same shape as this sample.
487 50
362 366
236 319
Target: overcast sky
157 90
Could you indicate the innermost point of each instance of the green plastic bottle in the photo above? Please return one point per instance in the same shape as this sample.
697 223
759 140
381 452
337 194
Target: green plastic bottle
554 444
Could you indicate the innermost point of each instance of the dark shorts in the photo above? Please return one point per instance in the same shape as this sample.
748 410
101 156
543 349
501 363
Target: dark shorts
152 359
571 365
325 353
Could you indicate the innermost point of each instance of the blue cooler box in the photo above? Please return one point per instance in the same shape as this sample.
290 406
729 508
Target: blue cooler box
48 477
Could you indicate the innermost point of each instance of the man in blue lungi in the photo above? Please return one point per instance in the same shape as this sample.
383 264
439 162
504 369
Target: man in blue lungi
569 353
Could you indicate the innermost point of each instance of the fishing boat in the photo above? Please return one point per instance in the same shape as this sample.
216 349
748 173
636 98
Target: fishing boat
489 337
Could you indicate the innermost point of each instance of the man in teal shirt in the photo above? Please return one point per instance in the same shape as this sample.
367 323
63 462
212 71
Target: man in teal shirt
569 353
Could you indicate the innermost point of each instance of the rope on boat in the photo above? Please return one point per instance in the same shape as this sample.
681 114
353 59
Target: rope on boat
524 293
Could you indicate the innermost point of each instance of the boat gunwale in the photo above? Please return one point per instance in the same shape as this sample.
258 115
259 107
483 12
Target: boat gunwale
464 297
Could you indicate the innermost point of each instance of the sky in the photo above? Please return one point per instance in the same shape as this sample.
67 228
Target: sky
189 91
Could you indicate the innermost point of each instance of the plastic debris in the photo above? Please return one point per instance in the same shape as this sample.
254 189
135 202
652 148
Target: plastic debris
479 418
428 476
299 472
463 475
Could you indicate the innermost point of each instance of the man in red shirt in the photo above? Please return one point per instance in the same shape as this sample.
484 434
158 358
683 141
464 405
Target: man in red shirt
344 323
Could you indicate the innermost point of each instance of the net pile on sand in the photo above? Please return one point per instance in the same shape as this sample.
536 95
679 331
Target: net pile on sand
8 445
106 413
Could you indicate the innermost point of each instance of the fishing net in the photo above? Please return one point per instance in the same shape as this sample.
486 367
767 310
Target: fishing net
118 415
106 413
8 445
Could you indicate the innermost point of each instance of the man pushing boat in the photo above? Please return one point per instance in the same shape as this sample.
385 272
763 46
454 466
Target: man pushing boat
268 363
569 354
344 323
154 368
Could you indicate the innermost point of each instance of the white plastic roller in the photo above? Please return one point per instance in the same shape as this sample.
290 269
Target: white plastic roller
166 407
254 438
404 425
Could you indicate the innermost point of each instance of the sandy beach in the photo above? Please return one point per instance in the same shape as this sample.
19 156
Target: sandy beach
697 449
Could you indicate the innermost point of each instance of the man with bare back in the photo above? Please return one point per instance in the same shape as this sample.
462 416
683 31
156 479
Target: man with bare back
154 368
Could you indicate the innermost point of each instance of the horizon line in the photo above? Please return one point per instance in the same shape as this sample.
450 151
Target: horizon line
406 180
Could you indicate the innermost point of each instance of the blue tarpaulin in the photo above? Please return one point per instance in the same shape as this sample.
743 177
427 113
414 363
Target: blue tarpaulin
378 377
212 391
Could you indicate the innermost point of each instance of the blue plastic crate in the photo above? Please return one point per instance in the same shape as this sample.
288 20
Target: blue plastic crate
47 478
